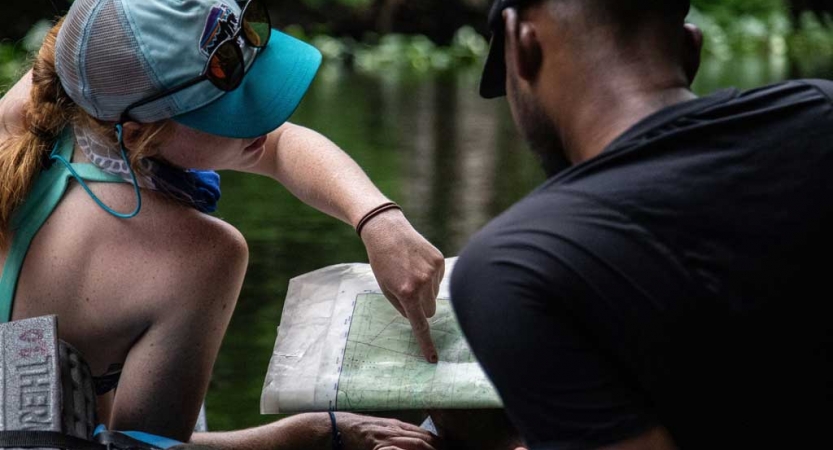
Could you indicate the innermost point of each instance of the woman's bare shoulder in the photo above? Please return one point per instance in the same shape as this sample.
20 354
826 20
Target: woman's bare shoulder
167 226
196 233
187 269
191 245
170 249
169 268
208 247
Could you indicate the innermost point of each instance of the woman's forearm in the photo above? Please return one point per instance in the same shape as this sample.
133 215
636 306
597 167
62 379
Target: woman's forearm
319 173
314 432
408 268
301 432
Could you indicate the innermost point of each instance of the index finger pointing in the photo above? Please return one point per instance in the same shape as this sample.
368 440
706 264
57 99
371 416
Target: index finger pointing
422 333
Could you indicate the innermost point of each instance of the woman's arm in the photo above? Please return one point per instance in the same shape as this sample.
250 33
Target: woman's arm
192 278
319 173
408 268
12 106
314 432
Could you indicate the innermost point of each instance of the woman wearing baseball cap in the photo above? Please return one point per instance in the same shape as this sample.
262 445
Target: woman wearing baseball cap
129 107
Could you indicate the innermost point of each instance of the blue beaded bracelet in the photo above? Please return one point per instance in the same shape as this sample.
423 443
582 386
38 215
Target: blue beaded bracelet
336 434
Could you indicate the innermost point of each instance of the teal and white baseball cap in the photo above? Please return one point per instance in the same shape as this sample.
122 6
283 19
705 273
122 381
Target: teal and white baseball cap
113 53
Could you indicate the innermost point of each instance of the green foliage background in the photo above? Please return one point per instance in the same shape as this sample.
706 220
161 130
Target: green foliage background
732 27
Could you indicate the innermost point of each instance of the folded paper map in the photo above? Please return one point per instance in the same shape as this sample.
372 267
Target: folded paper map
342 346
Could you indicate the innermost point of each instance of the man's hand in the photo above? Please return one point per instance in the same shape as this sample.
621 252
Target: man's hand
409 270
373 433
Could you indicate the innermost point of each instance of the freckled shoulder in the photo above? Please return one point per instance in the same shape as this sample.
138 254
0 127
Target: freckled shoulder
171 251
202 250
192 268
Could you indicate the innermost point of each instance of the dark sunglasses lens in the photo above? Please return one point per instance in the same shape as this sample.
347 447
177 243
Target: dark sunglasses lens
226 69
257 28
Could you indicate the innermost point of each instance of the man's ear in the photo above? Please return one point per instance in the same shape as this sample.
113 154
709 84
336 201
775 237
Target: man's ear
691 51
523 49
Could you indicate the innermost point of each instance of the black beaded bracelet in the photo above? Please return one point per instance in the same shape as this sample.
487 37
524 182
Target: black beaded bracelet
336 434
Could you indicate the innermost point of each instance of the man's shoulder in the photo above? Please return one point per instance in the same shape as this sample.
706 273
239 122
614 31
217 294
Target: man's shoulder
523 247
791 91
825 86
560 208
551 226
551 206
563 239
530 217
702 138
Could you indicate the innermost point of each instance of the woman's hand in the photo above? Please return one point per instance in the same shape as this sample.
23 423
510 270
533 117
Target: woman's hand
409 270
373 433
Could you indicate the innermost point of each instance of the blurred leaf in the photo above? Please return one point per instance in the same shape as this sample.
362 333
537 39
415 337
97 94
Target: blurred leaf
12 63
34 38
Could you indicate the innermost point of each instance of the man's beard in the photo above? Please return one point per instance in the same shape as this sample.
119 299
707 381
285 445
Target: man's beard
539 131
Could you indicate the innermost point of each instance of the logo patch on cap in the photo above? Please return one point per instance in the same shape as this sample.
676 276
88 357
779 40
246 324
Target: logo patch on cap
220 26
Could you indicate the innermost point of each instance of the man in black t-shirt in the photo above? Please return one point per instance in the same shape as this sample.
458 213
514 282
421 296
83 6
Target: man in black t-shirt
668 287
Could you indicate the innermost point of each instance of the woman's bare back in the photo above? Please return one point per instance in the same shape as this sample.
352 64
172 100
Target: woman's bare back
154 293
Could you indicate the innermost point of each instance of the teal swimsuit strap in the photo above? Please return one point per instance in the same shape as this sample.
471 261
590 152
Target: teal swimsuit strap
44 197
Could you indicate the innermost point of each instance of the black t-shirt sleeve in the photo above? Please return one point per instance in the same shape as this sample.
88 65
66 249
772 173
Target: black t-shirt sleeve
529 299
825 86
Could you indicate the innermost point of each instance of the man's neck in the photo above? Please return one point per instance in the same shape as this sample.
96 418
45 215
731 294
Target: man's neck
591 113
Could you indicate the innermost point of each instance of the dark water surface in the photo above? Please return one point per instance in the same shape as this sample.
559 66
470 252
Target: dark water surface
452 160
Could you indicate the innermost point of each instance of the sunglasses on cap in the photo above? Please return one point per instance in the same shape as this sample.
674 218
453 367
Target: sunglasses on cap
226 65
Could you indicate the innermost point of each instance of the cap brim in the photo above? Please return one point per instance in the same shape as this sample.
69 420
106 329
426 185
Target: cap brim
270 93
493 82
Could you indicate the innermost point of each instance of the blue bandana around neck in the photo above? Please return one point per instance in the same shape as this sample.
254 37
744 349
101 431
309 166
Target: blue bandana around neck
198 188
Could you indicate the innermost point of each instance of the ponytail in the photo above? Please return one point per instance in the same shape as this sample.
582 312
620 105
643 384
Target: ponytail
48 111
46 114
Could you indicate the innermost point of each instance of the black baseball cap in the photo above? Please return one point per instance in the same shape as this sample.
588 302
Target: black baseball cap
493 82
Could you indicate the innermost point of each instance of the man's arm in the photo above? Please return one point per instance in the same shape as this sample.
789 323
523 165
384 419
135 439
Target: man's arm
408 268
12 107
